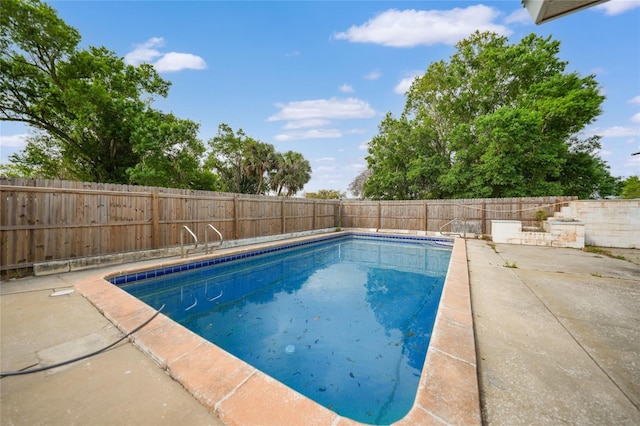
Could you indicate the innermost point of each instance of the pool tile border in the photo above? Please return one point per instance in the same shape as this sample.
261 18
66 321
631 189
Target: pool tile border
125 278
239 394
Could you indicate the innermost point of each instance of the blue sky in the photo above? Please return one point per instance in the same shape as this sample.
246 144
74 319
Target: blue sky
317 77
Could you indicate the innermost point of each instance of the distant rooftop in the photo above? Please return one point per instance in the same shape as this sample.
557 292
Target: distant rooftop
546 10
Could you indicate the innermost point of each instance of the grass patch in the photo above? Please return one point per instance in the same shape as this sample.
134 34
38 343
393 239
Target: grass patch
595 274
598 250
508 264
493 246
16 274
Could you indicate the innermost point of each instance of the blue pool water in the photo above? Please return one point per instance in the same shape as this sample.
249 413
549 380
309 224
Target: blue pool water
345 321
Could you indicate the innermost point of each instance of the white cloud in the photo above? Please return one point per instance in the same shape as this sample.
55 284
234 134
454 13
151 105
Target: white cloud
405 84
323 159
636 118
520 16
355 131
333 108
325 169
329 180
409 28
346 88
309 134
292 54
373 75
364 146
174 61
144 52
316 115
614 132
14 141
301 124
617 7
635 100
148 51
605 153
358 167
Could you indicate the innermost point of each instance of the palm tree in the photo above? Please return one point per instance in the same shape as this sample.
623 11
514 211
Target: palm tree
259 159
292 173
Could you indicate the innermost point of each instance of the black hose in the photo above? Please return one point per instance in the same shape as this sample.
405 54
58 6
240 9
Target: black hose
59 364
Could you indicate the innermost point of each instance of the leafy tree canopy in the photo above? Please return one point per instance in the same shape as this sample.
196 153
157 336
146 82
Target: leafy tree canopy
631 188
497 120
248 166
325 194
91 111
292 172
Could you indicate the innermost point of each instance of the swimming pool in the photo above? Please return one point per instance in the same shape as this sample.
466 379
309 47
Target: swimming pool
238 393
345 321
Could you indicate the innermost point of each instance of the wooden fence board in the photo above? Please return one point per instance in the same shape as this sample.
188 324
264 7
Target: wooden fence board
42 219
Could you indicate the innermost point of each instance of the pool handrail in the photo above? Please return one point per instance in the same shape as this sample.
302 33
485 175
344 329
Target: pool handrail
454 233
185 253
206 238
195 238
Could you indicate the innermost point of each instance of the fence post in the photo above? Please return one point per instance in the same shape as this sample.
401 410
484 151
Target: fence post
315 214
426 213
379 224
155 218
283 221
31 220
235 216
483 227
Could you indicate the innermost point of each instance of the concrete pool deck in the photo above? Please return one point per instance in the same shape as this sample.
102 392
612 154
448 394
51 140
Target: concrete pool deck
541 359
558 335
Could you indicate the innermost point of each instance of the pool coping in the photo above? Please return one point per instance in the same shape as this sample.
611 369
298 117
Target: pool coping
240 394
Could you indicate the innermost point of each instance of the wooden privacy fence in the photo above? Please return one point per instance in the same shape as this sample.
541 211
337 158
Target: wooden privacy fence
45 220
459 216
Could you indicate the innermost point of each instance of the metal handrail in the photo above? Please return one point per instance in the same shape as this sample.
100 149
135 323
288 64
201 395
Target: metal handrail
182 251
453 233
206 238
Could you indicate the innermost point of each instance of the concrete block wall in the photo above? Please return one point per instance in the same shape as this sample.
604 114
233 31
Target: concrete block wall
504 230
558 233
607 223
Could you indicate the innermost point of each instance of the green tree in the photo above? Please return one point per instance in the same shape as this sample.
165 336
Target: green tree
228 159
248 166
402 161
497 120
91 111
325 194
169 152
41 158
83 99
631 188
259 160
292 172
585 174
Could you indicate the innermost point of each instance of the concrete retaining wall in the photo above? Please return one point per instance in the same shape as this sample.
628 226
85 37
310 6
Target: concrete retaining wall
557 233
607 223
